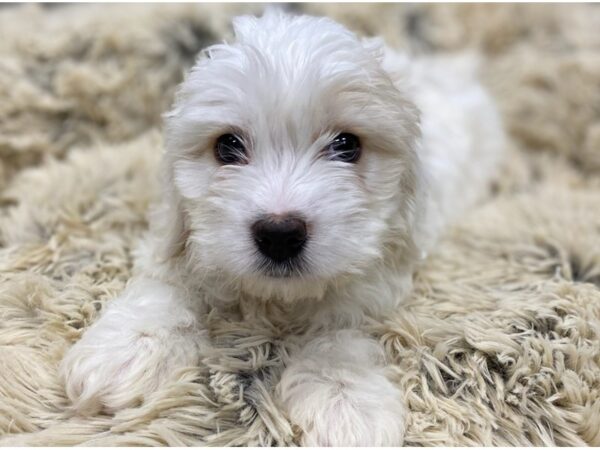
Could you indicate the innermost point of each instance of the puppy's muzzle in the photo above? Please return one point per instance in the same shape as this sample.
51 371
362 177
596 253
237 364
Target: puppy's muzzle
280 237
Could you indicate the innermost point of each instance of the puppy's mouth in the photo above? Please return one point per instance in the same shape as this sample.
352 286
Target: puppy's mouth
285 280
287 268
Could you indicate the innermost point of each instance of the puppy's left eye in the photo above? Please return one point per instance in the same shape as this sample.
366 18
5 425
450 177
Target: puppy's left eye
345 147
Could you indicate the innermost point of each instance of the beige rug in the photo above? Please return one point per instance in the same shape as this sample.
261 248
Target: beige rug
499 345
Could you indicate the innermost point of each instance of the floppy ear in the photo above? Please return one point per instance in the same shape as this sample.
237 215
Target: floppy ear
168 221
397 66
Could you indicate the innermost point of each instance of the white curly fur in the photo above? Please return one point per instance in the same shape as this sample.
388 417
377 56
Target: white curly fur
431 139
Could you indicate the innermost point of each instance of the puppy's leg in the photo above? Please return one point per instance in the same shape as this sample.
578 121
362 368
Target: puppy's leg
335 390
135 346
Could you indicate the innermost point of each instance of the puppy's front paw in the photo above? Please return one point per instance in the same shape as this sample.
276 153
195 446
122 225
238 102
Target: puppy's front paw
115 365
366 412
341 409
335 390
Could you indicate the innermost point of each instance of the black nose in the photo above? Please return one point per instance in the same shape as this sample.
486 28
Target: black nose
279 237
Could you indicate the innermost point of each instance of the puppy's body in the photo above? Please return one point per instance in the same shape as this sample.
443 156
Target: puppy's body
430 139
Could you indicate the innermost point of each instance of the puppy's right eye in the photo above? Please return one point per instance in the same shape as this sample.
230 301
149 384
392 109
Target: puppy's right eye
229 149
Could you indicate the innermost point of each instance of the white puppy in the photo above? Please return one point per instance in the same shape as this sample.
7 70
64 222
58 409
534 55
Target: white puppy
307 167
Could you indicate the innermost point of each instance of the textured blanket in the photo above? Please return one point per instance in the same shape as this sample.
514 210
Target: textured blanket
498 345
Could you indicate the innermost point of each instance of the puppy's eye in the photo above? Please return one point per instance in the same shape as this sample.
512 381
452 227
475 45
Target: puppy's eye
229 149
345 147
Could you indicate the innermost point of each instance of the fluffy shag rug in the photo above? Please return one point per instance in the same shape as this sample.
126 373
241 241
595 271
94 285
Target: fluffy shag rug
498 345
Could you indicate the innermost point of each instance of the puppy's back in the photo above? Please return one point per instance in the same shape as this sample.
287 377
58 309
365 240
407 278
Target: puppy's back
462 135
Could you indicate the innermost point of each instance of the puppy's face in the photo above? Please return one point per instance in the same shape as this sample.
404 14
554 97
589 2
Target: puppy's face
292 153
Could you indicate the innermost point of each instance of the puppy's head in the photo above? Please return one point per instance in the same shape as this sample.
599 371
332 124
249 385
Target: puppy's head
290 158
